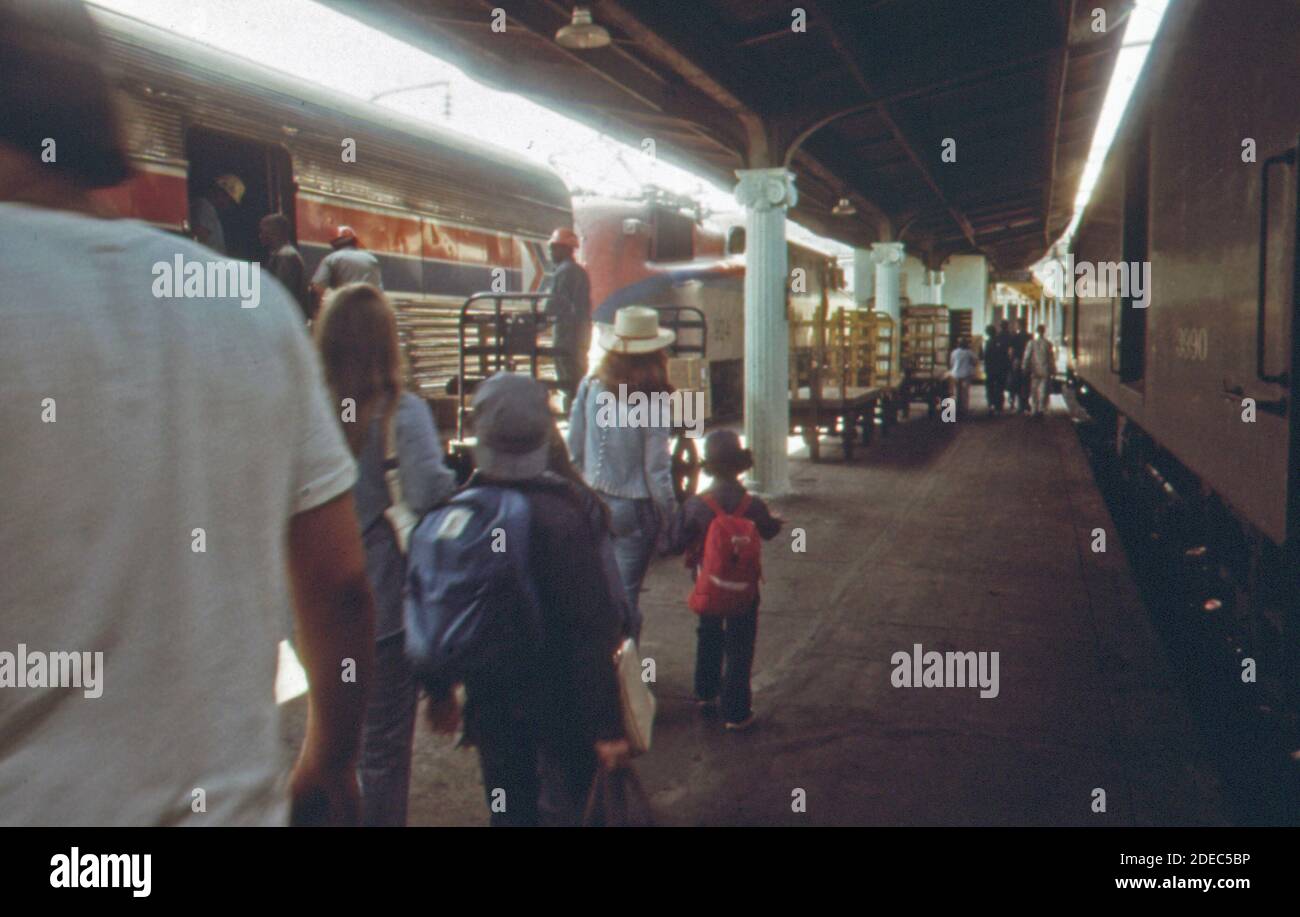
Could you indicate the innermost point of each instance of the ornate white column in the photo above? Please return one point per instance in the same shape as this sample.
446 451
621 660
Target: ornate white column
936 287
765 195
889 268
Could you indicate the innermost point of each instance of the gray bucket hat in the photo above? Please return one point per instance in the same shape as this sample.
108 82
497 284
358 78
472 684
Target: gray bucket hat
512 423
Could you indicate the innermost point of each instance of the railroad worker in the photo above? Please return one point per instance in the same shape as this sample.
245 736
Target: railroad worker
357 335
997 363
1040 366
961 366
225 193
170 553
348 263
625 456
570 306
283 260
542 733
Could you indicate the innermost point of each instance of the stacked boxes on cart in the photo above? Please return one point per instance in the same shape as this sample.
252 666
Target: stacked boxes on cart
926 341
862 347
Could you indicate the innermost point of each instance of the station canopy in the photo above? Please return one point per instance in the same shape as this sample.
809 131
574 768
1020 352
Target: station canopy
861 99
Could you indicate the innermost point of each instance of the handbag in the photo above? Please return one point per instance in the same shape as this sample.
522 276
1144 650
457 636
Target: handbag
634 697
617 800
399 514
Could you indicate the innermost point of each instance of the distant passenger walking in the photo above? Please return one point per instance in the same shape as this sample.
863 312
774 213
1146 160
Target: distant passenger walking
570 306
1040 366
997 363
283 260
357 334
348 263
543 706
726 594
961 366
225 193
1019 375
171 469
628 462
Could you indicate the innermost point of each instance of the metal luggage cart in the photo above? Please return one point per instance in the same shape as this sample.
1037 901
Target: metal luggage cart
689 324
496 332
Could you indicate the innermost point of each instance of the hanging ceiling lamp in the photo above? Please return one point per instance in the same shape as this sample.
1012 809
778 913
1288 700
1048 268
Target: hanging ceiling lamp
582 34
844 208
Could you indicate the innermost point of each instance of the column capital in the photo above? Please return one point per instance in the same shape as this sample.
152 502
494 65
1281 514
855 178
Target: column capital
766 189
887 252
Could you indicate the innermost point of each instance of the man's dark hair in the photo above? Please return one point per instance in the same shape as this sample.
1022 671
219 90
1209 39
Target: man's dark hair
279 224
56 87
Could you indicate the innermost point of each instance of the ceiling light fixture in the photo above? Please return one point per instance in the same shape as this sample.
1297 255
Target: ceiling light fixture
582 34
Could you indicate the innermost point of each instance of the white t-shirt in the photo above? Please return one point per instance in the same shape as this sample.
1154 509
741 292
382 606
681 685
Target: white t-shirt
169 416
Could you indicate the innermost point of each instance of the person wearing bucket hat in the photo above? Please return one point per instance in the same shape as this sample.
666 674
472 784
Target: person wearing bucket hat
542 733
628 463
570 307
724 651
512 423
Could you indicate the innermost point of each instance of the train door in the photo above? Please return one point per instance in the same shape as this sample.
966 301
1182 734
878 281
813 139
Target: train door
266 171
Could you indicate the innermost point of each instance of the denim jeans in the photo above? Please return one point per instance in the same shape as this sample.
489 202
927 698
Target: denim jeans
387 736
531 775
634 527
728 640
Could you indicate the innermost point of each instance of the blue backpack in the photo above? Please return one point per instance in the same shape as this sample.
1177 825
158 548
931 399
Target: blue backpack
471 609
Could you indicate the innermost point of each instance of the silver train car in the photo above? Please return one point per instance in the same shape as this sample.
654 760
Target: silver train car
1193 379
445 215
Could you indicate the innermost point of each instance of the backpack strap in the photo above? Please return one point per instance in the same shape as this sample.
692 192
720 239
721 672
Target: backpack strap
741 506
712 504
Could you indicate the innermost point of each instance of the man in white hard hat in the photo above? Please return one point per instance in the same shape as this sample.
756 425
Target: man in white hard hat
205 211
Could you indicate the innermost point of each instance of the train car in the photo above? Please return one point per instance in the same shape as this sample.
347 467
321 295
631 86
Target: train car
1193 378
445 215
655 251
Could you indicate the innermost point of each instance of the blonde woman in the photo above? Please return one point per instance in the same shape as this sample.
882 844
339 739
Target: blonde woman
357 336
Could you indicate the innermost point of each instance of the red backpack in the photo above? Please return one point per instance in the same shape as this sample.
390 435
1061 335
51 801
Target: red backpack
731 564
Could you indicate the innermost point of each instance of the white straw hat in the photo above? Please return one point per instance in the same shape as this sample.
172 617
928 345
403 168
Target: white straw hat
635 330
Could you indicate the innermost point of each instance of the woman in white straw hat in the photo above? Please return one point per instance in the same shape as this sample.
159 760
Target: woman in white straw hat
621 445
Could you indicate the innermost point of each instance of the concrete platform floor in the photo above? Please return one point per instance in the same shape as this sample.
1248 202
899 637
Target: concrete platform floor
961 537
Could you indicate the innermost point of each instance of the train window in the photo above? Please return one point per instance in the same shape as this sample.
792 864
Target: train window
1137 224
674 238
736 240
264 169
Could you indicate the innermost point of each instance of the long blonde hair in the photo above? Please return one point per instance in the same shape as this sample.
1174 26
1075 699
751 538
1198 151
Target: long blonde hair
357 336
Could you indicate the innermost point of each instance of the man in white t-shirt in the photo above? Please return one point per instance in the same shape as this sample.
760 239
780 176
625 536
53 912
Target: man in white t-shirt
172 476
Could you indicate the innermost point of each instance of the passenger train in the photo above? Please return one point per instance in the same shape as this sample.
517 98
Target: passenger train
441 212
1197 392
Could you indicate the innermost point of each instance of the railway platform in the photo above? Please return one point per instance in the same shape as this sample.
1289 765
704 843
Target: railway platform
974 537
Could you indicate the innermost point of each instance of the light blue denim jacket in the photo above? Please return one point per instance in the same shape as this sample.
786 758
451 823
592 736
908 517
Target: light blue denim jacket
630 462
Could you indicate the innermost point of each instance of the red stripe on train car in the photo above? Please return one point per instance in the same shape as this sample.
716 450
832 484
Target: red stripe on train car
399 235
155 197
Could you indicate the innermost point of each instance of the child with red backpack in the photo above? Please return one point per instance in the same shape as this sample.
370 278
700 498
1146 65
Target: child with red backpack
720 530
